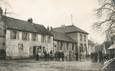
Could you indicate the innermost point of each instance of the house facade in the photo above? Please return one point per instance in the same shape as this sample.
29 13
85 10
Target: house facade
63 43
79 36
22 39
21 44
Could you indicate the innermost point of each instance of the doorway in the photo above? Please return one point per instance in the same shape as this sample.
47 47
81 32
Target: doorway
34 50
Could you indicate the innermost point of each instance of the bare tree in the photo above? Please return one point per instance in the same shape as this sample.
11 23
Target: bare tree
106 15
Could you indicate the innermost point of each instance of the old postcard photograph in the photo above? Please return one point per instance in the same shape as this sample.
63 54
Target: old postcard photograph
57 35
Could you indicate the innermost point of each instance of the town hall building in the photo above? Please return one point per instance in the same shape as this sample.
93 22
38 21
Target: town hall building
71 40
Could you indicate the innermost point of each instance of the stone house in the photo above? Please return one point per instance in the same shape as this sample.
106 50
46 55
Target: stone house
76 40
22 39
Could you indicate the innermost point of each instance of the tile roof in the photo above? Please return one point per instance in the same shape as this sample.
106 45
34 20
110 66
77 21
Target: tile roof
69 29
62 37
42 30
21 25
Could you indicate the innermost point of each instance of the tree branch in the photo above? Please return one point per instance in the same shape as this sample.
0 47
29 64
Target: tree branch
102 22
106 9
106 4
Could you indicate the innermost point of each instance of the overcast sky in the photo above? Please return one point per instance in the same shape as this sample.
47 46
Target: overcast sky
58 12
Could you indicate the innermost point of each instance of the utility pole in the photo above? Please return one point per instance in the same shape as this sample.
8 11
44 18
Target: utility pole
6 12
71 17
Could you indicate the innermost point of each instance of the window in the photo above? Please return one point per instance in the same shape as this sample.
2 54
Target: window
81 37
67 45
84 37
76 48
61 46
34 37
72 46
43 38
54 45
14 35
25 36
49 39
81 47
85 47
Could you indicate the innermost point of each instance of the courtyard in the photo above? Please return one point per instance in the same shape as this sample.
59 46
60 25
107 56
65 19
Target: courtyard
32 65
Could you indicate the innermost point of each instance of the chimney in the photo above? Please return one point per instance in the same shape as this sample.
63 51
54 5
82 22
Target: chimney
51 28
30 20
48 28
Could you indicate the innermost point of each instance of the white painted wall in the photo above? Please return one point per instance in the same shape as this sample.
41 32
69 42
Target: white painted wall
76 37
12 45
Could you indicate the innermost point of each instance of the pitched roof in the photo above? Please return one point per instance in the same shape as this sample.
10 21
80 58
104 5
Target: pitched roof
21 25
61 37
42 30
69 29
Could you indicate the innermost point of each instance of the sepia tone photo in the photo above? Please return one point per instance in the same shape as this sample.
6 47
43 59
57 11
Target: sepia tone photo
57 35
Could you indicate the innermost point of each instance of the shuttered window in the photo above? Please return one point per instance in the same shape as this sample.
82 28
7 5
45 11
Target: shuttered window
25 36
14 34
34 37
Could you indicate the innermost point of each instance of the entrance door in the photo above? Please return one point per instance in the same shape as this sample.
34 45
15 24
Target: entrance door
21 49
34 51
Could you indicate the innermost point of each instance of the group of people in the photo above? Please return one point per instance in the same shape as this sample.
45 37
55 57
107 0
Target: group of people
49 56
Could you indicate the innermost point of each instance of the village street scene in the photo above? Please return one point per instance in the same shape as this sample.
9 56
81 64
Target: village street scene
57 35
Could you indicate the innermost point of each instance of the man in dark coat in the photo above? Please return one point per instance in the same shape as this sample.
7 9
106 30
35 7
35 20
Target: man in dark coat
37 57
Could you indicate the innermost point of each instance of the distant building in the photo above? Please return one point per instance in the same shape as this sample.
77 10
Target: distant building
22 39
111 50
91 47
71 39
